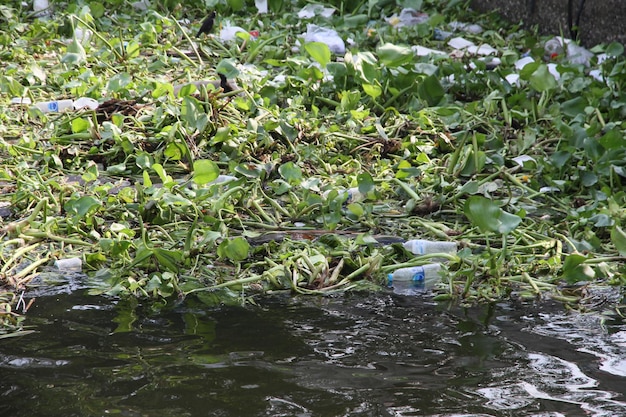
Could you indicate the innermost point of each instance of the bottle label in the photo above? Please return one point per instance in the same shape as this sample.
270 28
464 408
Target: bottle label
53 106
419 275
419 248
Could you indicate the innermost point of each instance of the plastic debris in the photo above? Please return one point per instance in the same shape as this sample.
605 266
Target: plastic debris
228 33
82 35
512 79
69 264
59 105
223 179
85 103
522 159
474 29
407 17
330 37
574 54
463 44
352 195
424 247
554 71
423 51
142 5
491 62
311 10
522 62
261 6
440 35
55 106
577 54
597 75
41 8
21 100
460 43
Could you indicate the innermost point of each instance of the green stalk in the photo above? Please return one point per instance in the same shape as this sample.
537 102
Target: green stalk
98 35
30 268
239 281
193 46
17 254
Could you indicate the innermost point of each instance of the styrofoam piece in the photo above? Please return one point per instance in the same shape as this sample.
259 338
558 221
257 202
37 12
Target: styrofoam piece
423 51
522 62
460 43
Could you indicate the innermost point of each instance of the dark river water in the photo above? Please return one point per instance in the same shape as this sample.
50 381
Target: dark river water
354 355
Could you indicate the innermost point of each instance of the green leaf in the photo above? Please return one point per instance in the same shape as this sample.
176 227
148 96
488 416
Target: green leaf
618 237
80 125
143 160
372 90
542 80
613 139
132 49
205 171
489 217
236 5
574 107
97 9
412 4
192 114
394 55
319 51
574 269
430 90
227 67
290 172
615 49
119 81
75 55
366 182
82 206
356 209
91 173
168 258
234 249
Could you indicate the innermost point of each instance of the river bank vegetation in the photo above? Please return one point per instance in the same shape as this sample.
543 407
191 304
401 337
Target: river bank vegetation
171 189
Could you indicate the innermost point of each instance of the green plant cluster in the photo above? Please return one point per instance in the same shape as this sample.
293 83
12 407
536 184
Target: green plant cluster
527 178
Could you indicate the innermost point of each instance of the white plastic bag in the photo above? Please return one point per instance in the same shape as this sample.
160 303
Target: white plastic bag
330 37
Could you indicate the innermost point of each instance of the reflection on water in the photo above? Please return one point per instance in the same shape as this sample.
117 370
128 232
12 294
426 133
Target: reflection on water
376 355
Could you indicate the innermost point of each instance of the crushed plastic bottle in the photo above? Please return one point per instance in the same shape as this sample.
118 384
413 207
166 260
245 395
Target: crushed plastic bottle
553 48
424 247
413 280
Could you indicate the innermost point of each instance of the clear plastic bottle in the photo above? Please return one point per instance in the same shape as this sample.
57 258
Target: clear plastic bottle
553 48
55 106
412 280
424 247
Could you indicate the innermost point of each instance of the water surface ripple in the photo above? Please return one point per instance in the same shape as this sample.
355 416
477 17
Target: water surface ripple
373 355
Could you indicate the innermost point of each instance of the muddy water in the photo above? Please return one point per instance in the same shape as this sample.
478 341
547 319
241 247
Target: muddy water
370 355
